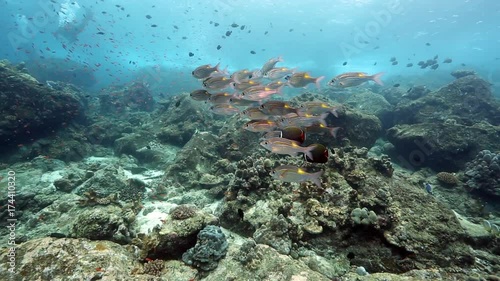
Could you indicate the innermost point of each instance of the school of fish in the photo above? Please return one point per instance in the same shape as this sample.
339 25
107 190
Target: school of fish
250 95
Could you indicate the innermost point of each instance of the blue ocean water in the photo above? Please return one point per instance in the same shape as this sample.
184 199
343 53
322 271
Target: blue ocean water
146 170
119 42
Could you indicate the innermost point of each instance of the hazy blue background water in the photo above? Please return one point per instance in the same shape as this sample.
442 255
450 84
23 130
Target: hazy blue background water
312 35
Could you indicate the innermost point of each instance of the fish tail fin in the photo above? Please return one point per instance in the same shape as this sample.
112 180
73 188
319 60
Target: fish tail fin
236 80
317 80
322 118
334 131
316 178
334 112
376 78
257 74
307 152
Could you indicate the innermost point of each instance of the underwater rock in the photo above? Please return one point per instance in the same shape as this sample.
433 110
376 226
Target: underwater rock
111 179
467 100
394 95
32 110
360 129
211 246
182 117
195 159
482 174
104 223
174 236
367 102
131 98
57 259
416 92
275 234
262 262
443 147
462 73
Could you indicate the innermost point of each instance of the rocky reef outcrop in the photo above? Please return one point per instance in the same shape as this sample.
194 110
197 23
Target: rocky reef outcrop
30 109
446 128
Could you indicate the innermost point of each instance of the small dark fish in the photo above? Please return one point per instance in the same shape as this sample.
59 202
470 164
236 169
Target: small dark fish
394 63
393 59
234 25
191 54
345 63
420 63
265 33
435 57
252 52
242 27
218 47
319 154
154 25
57 235
409 90
216 24
176 27
409 65
291 29
448 60
148 17
462 64
228 33
396 85
427 44
435 66
100 33
375 63
241 214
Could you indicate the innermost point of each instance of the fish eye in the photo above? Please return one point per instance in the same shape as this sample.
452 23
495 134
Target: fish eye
192 72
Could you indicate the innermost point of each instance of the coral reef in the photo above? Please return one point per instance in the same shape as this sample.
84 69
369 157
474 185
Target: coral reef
107 223
462 73
31 110
183 117
446 128
363 216
154 267
183 212
132 98
483 173
210 247
173 236
447 178
91 198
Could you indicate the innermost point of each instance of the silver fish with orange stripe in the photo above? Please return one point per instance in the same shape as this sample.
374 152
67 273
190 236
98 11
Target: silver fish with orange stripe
289 173
286 147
